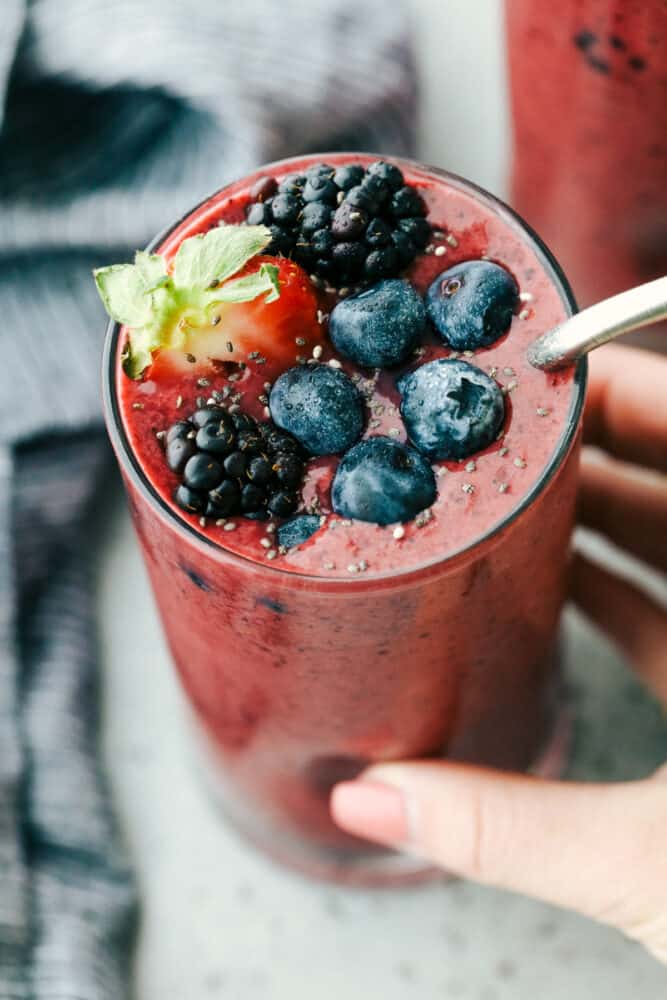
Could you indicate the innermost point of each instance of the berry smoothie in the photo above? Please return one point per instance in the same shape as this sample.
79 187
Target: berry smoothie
589 96
354 496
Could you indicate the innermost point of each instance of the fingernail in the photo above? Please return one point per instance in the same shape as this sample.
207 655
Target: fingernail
371 810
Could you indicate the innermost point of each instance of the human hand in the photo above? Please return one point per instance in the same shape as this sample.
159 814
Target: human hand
595 848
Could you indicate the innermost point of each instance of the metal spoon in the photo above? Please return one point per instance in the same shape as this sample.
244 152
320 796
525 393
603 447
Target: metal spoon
569 341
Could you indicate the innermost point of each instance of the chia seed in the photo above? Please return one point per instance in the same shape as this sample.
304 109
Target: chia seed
230 346
203 383
503 487
468 488
399 532
179 402
137 406
299 341
317 351
451 241
520 463
503 451
229 526
471 466
542 411
335 363
440 251
265 543
271 554
524 314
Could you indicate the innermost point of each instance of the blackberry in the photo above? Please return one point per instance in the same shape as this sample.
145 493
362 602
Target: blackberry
347 225
229 464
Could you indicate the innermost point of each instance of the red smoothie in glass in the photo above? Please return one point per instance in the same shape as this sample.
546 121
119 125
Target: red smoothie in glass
366 642
589 99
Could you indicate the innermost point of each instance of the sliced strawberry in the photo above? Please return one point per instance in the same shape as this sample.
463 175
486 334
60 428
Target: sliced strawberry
278 331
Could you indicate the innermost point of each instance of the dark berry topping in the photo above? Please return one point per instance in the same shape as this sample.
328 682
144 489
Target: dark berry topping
285 209
232 465
235 465
349 226
320 406
178 451
379 327
297 530
451 409
407 202
383 481
381 263
192 501
202 472
349 176
387 172
283 503
208 414
471 304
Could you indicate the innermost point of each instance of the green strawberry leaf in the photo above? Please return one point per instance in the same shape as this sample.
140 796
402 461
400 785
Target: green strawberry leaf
251 286
152 268
123 292
217 255
163 310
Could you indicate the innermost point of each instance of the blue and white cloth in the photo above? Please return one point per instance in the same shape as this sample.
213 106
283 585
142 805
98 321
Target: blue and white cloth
115 117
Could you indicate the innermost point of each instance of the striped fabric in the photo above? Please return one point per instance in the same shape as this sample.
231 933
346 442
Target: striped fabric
115 116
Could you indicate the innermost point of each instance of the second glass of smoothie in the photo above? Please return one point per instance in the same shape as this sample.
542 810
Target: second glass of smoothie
366 642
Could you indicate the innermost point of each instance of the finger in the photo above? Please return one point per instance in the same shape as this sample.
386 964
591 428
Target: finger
630 617
598 849
626 405
627 507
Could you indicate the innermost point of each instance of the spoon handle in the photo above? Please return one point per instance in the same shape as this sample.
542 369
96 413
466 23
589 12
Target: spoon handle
569 341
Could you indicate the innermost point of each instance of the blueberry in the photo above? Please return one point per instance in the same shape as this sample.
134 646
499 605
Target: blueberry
207 414
244 422
285 209
282 503
202 472
224 499
260 214
179 451
383 481
315 216
216 437
451 409
235 465
349 222
471 304
297 530
320 406
407 202
379 327
348 176
190 500
388 173
417 229
381 263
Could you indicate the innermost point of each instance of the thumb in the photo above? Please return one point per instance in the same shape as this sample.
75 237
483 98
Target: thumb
598 849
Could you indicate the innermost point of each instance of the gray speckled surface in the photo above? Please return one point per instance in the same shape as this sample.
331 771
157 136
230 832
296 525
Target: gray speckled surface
221 921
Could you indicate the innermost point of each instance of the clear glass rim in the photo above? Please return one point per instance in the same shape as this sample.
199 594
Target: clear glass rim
134 473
